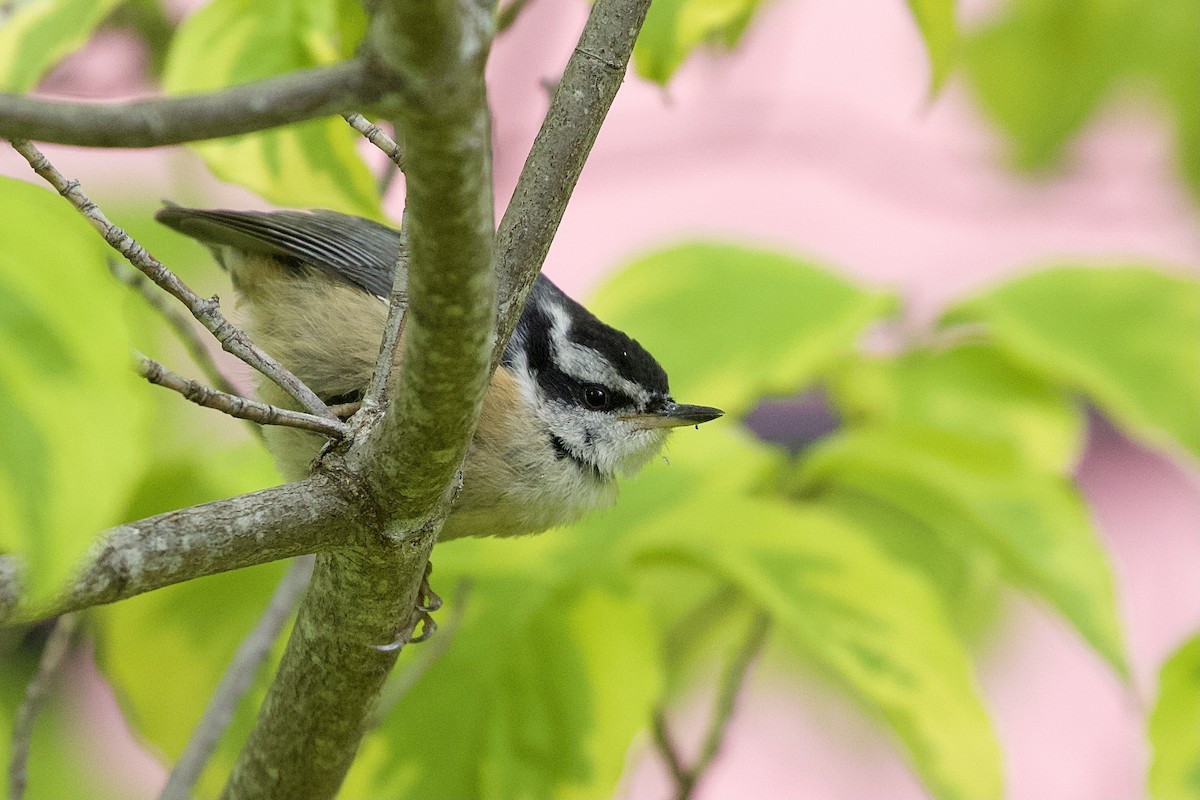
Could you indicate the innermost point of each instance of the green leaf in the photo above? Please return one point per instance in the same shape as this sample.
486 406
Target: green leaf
39 34
935 18
674 28
982 495
1043 69
539 694
968 577
732 323
972 389
1126 337
1174 728
876 626
229 42
72 412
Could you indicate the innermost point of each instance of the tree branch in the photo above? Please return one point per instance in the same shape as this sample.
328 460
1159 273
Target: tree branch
236 405
361 600
256 106
728 690
376 394
320 513
590 82
207 311
178 321
237 680
54 655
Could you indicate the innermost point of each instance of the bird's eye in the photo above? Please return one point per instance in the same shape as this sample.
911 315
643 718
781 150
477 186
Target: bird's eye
595 397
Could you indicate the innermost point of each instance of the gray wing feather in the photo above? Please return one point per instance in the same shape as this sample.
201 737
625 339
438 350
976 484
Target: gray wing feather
356 250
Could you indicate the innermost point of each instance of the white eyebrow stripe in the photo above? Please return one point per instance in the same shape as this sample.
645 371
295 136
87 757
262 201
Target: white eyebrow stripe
584 363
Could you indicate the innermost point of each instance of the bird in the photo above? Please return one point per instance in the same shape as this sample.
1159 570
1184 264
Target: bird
573 403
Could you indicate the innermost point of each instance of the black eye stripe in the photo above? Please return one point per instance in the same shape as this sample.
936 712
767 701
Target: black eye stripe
567 389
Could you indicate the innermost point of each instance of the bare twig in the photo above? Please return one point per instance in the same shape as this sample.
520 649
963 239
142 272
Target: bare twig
402 682
508 15
376 392
236 405
730 686
207 311
237 680
178 321
54 654
378 137
294 97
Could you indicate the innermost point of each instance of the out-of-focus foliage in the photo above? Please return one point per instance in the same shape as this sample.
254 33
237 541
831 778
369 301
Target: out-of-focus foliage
1043 69
1125 337
936 20
877 553
674 29
40 34
229 42
1175 727
72 413
808 319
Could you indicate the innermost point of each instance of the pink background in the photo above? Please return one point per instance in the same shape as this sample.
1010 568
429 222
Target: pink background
818 136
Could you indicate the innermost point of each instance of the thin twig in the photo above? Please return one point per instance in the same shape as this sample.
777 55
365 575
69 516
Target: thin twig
236 405
178 321
378 137
728 689
403 681
237 680
49 665
280 100
207 311
376 392
508 15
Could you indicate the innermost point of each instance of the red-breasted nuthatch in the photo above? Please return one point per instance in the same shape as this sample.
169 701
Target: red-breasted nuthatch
573 402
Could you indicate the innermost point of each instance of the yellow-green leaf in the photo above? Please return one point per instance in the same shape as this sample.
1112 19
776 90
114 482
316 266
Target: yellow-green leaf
72 412
1124 336
982 494
674 28
935 18
313 164
873 624
974 390
732 323
1175 727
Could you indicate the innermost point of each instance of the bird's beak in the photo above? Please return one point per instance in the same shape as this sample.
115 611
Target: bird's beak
674 415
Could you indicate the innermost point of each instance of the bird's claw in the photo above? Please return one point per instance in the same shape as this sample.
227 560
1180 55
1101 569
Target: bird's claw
428 601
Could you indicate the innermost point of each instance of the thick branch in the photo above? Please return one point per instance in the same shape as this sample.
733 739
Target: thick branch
590 82
361 600
284 521
293 97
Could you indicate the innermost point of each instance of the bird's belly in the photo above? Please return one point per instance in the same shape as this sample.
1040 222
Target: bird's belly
518 501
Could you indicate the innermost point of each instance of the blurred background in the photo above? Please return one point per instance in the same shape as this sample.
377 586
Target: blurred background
819 134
